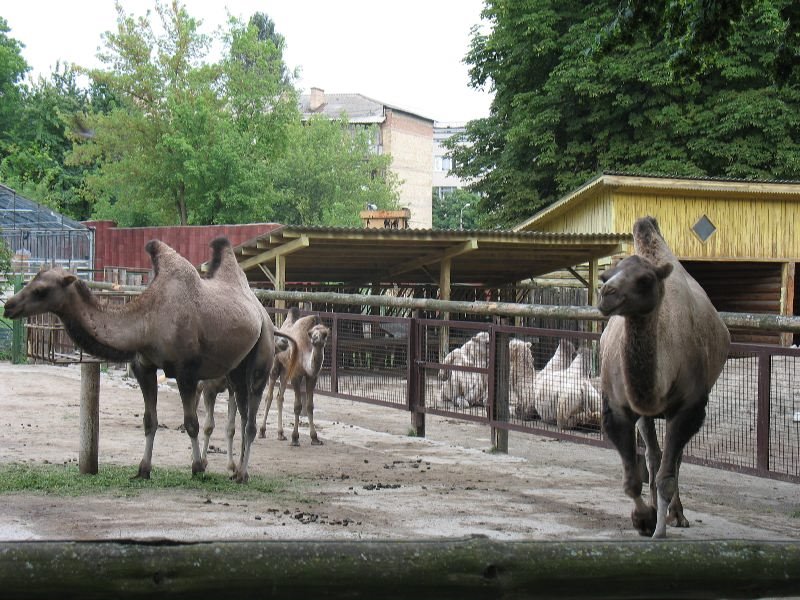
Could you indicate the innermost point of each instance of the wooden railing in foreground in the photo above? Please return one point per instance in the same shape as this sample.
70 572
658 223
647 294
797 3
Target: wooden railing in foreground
460 569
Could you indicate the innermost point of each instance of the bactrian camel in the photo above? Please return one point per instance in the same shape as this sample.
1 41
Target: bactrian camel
191 327
660 354
299 365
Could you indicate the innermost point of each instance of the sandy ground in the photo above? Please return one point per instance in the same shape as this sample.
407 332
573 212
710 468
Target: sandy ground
369 480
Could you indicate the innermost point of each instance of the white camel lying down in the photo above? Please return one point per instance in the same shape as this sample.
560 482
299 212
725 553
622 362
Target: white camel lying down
466 388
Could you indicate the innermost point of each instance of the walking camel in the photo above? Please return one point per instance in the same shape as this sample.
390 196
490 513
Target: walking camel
310 336
660 354
191 327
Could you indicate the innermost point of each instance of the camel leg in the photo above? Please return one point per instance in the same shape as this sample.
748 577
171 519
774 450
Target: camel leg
209 400
273 376
187 387
281 392
252 382
680 429
298 407
311 383
146 376
230 429
620 427
647 430
675 516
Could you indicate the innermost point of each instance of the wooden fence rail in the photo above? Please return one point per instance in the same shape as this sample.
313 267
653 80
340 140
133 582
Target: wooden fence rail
461 569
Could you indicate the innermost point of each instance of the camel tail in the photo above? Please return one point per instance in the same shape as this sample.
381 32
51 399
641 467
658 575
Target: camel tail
294 354
649 242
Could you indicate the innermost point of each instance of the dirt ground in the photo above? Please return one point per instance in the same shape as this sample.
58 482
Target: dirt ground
369 480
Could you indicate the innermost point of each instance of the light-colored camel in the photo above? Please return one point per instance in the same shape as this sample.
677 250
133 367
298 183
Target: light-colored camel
191 327
547 385
310 336
660 354
579 401
466 388
521 372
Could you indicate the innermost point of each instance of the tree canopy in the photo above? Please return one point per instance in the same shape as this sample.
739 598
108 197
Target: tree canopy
164 134
691 88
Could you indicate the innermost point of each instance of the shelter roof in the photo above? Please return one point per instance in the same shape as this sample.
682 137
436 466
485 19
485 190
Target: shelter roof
362 256
19 212
673 186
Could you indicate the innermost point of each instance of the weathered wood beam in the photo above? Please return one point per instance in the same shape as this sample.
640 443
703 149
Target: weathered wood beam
468 246
744 321
283 250
460 569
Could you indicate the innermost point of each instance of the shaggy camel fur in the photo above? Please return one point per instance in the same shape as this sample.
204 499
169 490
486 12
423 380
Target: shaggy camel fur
546 386
521 372
192 328
579 401
466 388
311 336
660 354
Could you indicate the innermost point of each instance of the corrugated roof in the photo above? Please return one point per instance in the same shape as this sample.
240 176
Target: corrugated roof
356 256
19 212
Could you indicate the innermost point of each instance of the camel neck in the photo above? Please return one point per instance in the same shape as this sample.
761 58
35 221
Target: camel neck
110 334
639 357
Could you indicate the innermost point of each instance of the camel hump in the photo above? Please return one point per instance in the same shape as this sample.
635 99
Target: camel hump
218 247
294 313
649 242
156 249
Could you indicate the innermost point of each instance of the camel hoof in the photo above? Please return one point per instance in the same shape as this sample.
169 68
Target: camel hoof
241 478
281 437
198 467
141 475
677 520
644 523
316 442
262 433
295 442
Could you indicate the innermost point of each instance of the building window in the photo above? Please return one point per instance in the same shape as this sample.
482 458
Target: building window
442 164
704 228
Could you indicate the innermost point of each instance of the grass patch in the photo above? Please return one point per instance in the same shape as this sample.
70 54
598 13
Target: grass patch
66 480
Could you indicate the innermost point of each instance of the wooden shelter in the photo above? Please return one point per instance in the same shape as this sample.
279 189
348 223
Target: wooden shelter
735 237
370 257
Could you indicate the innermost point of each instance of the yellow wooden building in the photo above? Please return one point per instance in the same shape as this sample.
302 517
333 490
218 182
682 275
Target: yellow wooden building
737 238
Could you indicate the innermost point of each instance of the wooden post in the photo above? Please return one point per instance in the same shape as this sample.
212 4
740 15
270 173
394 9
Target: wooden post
787 298
501 389
416 378
280 286
444 295
89 418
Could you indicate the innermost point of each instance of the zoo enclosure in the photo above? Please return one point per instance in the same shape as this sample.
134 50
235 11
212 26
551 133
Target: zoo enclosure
753 415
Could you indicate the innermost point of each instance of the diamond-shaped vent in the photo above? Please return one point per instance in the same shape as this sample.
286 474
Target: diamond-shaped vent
704 228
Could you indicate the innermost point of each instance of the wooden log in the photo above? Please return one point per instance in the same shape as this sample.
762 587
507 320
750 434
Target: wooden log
89 418
744 321
460 569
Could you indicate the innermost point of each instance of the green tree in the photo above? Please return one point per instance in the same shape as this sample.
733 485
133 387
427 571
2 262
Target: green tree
456 208
12 71
42 138
194 142
576 94
329 174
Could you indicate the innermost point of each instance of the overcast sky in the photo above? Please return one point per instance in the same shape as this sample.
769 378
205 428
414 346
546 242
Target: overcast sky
408 54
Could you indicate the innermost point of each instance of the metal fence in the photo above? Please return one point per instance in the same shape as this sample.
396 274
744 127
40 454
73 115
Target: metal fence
753 415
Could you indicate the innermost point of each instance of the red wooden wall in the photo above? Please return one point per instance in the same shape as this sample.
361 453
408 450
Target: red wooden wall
124 246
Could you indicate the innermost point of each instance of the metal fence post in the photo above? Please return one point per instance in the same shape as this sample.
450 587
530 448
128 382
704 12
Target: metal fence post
18 353
763 411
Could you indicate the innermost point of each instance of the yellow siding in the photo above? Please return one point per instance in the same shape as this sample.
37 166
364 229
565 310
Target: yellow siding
747 229
595 215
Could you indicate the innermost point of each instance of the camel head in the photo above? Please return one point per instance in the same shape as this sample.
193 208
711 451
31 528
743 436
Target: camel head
634 287
47 292
318 335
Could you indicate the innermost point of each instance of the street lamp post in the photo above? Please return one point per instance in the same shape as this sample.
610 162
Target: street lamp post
461 215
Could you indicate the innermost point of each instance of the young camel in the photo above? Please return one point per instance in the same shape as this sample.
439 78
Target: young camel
311 336
191 327
660 354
